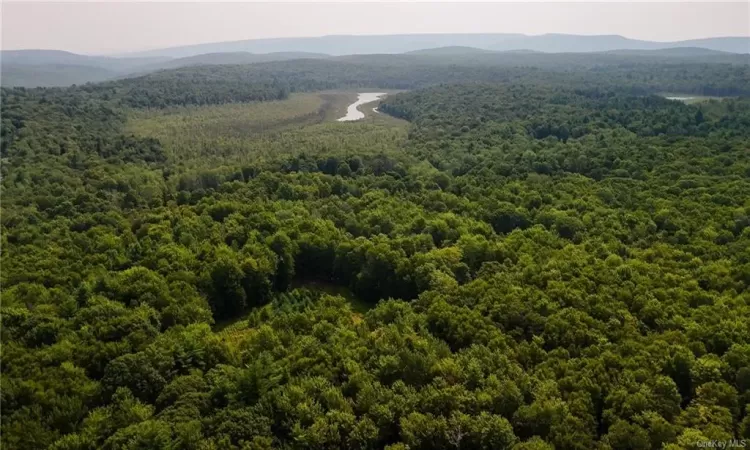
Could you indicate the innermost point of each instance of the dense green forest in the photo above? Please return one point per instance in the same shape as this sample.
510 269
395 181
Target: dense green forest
510 256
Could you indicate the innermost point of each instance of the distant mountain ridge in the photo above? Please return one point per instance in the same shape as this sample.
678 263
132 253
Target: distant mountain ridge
46 57
453 50
677 51
350 45
31 68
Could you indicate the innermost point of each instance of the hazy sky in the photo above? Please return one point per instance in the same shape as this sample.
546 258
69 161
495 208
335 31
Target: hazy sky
103 27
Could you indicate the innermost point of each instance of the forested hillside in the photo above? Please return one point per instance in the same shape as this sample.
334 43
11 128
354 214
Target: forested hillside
696 71
507 257
628 74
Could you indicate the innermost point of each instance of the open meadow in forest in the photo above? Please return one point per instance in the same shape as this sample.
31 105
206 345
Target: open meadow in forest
259 132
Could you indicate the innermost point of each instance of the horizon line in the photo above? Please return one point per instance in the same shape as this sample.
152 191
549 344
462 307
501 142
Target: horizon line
154 49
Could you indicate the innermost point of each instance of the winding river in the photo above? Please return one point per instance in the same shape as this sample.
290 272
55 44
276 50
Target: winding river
353 112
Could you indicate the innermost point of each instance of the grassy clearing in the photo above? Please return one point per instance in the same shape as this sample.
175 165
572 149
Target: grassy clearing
336 103
235 134
174 126
231 122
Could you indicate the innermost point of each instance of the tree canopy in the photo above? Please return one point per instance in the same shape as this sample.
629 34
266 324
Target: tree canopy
528 257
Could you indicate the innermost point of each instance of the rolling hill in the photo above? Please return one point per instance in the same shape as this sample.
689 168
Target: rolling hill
52 75
348 45
31 68
452 50
233 58
677 51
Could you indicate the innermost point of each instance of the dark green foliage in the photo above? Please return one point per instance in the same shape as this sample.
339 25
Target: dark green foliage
532 265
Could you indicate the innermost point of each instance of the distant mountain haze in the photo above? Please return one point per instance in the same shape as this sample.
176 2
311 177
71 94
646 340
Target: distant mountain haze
42 57
350 45
452 50
30 68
